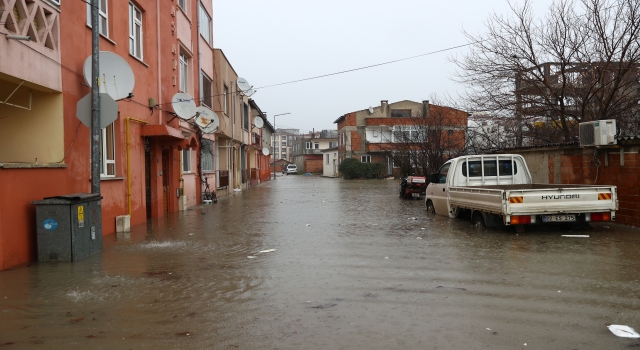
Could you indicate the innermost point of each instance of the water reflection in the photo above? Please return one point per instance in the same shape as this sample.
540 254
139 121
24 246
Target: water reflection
355 267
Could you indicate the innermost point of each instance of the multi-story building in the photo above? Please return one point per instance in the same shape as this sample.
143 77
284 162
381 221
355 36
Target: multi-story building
282 141
152 162
377 134
307 150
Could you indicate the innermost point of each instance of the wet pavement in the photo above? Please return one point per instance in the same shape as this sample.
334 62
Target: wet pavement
355 267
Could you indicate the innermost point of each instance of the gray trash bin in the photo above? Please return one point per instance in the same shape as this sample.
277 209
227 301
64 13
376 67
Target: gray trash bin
69 227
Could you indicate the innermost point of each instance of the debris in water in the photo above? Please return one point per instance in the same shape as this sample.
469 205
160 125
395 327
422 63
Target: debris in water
191 234
386 257
184 333
576 236
77 320
268 251
605 226
418 237
308 225
422 228
251 257
623 331
91 336
488 329
323 306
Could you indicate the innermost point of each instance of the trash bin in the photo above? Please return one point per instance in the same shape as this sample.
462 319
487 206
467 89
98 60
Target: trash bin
69 227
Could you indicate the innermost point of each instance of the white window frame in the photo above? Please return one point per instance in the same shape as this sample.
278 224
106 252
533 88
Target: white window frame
365 159
309 145
205 24
106 159
136 41
186 161
184 72
104 13
316 145
203 98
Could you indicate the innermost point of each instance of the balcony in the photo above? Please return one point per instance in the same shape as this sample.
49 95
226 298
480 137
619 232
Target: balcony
255 139
40 21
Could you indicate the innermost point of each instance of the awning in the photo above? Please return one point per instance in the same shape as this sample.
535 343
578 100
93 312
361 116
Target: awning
168 135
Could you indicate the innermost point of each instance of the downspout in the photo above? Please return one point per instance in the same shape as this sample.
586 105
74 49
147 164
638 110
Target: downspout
159 61
129 161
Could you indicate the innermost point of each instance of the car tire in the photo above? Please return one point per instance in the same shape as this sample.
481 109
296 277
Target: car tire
430 208
478 221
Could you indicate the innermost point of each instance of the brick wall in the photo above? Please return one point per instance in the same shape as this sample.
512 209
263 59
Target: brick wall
356 141
578 166
313 165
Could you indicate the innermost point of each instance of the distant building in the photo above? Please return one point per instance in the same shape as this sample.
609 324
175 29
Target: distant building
307 150
282 140
330 162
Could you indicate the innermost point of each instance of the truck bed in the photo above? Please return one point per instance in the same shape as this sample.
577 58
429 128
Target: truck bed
530 199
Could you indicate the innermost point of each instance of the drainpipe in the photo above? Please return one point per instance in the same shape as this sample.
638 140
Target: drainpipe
159 61
129 161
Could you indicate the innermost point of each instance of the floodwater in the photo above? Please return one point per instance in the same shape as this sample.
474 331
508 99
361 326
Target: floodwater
355 267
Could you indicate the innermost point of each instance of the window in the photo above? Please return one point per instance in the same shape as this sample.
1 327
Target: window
186 161
365 159
332 144
206 155
308 145
316 145
135 31
327 156
225 92
108 151
284 138
245 116
284 150
284 143
475 168
206 93
103 18
205 24
184 72
404 133
276 144
401 113
442 173
183 5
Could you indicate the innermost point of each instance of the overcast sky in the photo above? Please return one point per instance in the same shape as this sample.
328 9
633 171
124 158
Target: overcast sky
275 41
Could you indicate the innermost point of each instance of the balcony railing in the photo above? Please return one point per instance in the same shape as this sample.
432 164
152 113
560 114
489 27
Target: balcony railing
255 139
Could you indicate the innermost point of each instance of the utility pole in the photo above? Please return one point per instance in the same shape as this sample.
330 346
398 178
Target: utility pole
96 156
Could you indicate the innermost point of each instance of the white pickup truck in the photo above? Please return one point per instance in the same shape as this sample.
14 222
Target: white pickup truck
497 189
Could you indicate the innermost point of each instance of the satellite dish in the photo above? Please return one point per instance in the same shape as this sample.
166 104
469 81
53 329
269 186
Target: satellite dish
245 87
183 105
207 120
258 122
370 110
265 151
116 76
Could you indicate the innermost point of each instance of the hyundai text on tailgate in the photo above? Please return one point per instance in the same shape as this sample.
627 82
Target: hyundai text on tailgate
497 189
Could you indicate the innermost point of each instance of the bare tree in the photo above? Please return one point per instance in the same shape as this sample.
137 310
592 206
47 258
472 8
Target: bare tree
420 144
580 62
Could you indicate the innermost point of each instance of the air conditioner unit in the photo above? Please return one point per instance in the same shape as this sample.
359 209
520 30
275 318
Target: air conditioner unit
598 133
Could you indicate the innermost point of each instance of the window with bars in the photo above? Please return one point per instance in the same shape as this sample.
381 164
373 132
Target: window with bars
103 17
206 155
135 31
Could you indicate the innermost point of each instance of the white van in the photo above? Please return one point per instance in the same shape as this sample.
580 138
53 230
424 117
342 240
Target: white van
290 169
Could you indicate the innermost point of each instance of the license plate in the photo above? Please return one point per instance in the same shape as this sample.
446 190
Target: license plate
416 195
558 218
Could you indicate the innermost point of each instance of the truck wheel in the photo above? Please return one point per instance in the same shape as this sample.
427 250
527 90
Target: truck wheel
430 208
478 221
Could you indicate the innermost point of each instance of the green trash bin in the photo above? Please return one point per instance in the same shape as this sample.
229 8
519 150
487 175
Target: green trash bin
69 227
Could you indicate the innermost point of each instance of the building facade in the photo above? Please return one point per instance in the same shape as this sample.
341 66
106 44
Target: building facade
378 134
307 150
282 143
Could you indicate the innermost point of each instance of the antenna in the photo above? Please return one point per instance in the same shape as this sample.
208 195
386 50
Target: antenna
207 120
183 105
258 122
265 151
116 75
245 87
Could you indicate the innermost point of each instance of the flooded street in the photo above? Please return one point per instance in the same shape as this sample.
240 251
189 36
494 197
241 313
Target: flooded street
355 267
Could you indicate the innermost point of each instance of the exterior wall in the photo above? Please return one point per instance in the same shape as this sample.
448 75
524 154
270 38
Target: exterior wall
330 163
570 164
313 164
